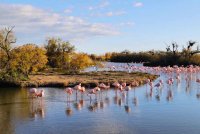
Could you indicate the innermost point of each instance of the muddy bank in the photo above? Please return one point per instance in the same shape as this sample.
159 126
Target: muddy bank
90 79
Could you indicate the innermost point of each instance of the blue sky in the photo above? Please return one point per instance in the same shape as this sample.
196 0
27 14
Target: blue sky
98 26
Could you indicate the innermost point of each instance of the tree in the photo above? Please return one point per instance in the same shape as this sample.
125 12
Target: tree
59 52
28 59
81 61
174 48
7 38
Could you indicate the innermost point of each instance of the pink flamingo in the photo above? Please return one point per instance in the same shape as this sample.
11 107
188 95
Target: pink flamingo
69 92
116 85
40 93
123 84
32 92
172 80
103 86
77 88
169 82
121 88
91 92
82 90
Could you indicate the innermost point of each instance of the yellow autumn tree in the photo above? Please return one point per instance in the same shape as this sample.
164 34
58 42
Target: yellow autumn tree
81 61
28 59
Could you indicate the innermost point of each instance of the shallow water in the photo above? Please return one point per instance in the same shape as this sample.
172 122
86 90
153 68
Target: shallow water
140 111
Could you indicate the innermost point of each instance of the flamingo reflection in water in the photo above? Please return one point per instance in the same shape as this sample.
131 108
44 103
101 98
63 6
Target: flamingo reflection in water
90 93
149 94
34 93
158 90
69 92
127 107
198 91
169 95
37 109
135 99
79 89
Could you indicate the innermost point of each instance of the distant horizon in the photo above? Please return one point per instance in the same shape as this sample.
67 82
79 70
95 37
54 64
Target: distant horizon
101 26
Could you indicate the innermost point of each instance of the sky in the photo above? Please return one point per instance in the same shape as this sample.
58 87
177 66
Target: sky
99 26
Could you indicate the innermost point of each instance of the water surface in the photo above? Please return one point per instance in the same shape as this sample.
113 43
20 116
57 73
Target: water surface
140 111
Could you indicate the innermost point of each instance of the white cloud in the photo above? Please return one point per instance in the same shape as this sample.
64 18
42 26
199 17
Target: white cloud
109 14
138 4
67 11
38 22
104 4
117 13
100 6
129 23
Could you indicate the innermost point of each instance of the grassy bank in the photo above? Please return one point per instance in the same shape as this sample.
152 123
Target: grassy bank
90 79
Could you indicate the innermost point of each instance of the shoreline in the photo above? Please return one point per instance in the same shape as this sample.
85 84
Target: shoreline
89 79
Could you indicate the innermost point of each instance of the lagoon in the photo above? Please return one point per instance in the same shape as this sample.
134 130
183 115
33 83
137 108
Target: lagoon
139 112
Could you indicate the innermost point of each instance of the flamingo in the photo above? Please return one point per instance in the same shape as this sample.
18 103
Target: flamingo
158 85
172 80
123 84
127 88
96 89
69 92
116 85
121 88
169 82
82 90
103 86
78 87
40 93
91 92
32 92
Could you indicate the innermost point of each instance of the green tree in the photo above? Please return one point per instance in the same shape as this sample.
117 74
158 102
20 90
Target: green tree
59 53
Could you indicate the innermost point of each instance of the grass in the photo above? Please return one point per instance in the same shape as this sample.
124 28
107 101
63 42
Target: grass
90 79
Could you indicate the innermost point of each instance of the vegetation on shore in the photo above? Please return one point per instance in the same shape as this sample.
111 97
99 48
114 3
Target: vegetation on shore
89 79
18 63
189 55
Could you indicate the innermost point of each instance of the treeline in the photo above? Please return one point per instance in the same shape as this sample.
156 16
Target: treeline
17 63
189 55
